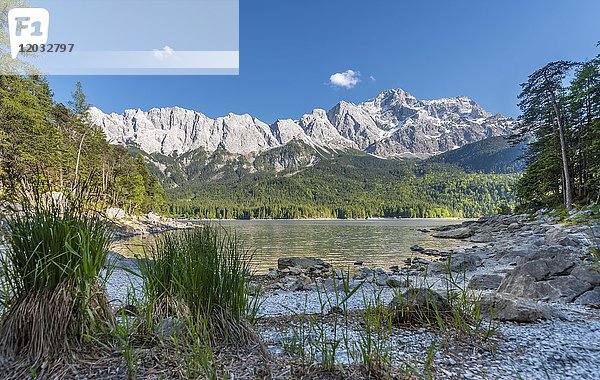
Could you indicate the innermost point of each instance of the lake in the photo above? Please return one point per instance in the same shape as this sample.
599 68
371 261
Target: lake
376 242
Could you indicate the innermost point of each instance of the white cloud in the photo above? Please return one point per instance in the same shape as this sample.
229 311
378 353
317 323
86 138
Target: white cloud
163 53
348 79
372 78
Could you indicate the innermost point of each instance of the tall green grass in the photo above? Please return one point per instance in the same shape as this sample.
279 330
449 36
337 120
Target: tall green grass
53 293
201 274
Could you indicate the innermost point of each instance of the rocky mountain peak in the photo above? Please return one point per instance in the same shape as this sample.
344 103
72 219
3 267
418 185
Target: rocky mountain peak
394 123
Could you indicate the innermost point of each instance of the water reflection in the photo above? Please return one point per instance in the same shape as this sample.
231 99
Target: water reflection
341 242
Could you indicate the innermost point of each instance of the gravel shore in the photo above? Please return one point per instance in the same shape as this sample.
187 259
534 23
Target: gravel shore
561 339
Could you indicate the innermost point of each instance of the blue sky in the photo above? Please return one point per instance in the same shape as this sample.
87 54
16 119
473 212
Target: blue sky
432 49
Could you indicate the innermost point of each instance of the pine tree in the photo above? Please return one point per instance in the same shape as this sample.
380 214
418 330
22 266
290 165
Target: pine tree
542 102
584 105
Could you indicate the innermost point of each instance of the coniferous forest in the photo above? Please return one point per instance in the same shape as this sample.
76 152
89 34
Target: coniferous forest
560 106
42 141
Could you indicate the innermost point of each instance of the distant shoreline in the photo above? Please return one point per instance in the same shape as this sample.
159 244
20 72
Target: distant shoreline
192 220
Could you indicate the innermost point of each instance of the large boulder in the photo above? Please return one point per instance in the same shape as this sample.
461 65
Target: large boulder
488 281
559 235
554 274
508 308
301 262
591 297
457 233
418 305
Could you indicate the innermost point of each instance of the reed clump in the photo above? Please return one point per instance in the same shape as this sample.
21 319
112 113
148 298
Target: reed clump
200 276
52 284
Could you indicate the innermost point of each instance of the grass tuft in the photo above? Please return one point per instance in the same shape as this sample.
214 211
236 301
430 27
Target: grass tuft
53 294
201 274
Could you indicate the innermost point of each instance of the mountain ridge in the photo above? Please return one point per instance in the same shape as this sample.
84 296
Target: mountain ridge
393 124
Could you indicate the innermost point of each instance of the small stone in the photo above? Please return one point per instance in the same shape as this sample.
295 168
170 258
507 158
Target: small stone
396 282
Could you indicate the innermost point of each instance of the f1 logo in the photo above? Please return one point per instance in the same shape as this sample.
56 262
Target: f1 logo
27 26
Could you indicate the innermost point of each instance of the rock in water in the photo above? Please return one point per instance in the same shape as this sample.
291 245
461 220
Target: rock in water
457 263
301 262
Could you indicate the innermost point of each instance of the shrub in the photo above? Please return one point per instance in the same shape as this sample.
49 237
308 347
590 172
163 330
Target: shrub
53 295
202 275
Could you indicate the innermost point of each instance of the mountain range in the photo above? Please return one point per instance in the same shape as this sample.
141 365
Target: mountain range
392 156
393 124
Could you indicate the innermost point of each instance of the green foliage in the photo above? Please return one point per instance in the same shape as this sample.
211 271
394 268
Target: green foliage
39 136
348 185
551 178
204 273
52 287
492 155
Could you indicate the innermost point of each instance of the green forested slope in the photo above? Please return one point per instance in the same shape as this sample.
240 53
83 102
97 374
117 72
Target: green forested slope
42 141
492 155
348 185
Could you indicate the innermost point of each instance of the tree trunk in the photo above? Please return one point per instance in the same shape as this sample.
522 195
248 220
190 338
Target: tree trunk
565 158
78 158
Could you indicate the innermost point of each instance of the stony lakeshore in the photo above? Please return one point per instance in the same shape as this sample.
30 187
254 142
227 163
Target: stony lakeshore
538 277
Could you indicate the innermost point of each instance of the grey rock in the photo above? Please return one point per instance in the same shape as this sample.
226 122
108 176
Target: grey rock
591 297
553 274
457 233
587 274
481 238
569 287
446 228
396 282
301 262
415 303
431 252
296 283
559 236
457 263
485 281
417 248
508 308
514 226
